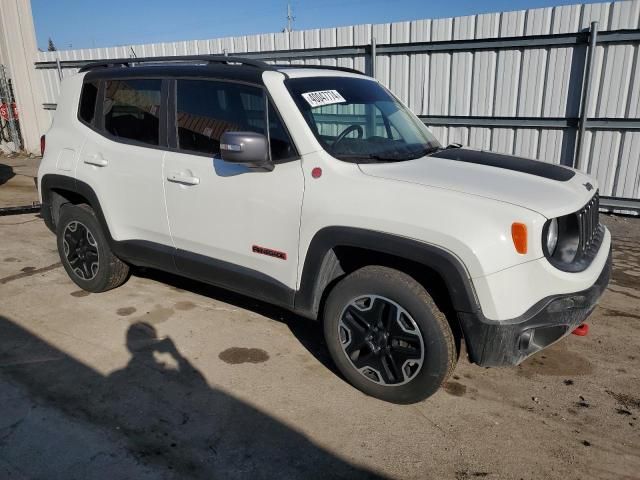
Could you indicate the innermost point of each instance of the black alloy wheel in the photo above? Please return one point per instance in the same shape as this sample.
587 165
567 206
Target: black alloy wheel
387 335
86 252
81 250
381 340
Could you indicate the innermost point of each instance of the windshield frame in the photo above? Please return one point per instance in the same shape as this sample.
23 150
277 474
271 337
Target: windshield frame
430 144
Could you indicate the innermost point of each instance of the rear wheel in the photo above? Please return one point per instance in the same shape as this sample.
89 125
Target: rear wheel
85 252
387 336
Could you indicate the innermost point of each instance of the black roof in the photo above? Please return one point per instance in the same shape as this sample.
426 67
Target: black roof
198 66
226 72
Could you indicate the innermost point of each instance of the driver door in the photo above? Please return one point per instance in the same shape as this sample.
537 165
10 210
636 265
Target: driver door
223 217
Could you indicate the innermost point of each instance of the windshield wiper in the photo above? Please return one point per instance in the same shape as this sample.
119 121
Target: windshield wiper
433 150
393 157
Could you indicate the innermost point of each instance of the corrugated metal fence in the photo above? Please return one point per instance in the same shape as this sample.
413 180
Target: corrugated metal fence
510 81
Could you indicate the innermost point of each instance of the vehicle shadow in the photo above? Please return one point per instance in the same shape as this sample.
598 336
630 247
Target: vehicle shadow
308 332
143 420
6 173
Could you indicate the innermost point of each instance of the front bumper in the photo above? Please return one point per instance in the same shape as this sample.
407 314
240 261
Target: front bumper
500 343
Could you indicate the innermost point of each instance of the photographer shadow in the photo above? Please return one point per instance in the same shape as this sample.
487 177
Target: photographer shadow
161 411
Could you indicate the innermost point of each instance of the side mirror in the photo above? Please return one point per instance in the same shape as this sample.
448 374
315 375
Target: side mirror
246 148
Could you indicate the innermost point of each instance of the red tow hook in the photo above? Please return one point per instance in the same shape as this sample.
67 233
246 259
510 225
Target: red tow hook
582 330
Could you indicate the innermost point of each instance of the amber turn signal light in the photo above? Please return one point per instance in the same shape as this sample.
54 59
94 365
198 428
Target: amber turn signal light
519 235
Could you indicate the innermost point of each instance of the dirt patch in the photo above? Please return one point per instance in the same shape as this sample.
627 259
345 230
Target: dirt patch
557 360
35 271
626 263
455 388
126 311
80 293
583 403
465 475
184 305
157 315
607 312
625 399
237 355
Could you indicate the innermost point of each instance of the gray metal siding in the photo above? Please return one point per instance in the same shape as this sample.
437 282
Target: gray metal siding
520 82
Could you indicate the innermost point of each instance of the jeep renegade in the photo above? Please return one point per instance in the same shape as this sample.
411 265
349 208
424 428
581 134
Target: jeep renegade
314 188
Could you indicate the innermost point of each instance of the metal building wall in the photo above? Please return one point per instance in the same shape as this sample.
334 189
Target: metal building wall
520 82
18 53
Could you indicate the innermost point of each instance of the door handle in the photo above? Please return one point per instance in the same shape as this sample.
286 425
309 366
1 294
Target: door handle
183 179
97 159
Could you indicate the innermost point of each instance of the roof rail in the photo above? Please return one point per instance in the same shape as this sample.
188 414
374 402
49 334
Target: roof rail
127 62
319 67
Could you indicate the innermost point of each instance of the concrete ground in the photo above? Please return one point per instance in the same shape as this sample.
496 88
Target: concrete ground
167 378
17 175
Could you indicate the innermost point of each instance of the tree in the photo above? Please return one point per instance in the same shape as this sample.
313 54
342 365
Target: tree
51 47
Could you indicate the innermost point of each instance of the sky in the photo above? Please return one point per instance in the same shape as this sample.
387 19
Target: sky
100 23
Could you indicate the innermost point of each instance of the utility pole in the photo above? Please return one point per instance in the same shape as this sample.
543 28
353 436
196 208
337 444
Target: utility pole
290 18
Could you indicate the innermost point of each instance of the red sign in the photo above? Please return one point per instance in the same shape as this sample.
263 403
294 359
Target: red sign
4 111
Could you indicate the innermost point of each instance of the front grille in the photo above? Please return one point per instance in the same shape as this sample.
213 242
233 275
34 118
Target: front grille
580 236
588 223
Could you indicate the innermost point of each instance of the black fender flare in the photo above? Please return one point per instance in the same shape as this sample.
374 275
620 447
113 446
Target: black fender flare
321 265
51 182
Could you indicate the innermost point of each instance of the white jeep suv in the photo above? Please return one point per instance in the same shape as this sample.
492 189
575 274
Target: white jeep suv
315 189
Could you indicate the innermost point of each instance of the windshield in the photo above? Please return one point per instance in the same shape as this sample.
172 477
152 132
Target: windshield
359 120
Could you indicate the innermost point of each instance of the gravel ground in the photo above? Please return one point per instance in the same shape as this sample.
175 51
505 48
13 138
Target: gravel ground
167 378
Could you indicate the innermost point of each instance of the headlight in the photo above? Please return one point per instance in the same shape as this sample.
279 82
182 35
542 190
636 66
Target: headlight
552 236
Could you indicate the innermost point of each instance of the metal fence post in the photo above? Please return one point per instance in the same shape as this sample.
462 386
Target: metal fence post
586 95
59 68
373 57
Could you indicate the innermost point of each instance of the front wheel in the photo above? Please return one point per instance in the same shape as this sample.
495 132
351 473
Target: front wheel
387 336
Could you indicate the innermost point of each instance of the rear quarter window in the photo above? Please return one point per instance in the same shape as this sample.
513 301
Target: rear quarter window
88 98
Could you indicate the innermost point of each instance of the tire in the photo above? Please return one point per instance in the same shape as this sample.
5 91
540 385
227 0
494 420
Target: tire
376 311
85 252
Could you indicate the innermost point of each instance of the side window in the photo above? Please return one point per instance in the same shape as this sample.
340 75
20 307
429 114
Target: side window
88 99
207 109
132 109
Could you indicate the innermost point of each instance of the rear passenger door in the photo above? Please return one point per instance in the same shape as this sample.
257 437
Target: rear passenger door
123 154
232 226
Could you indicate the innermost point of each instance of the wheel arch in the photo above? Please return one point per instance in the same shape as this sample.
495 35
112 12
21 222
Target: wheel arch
335 251
58 190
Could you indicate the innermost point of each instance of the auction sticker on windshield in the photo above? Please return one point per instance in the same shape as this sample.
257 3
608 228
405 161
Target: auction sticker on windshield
323 97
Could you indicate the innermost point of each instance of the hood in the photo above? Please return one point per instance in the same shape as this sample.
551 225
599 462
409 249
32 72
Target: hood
551 190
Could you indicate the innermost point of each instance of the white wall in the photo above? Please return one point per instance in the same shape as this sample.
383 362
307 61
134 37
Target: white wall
18 52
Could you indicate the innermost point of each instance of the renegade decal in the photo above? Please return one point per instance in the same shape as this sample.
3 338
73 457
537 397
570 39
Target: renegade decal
323 97
269 252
